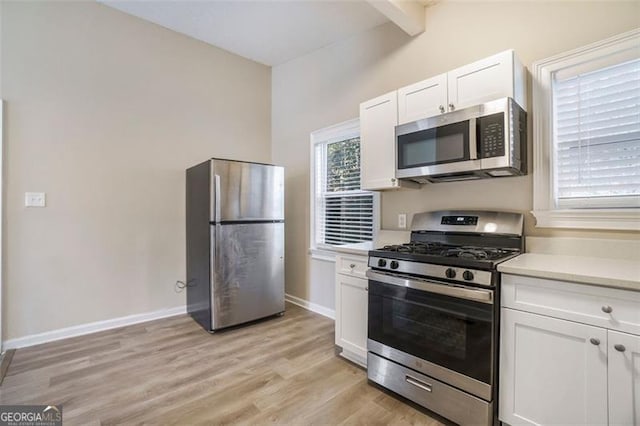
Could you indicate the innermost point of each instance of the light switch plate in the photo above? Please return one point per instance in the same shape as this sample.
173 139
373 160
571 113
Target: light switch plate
402 220
34 199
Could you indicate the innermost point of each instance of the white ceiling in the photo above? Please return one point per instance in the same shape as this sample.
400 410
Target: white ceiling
270 32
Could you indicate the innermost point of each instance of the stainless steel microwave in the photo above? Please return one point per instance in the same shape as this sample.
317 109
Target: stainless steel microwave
488 140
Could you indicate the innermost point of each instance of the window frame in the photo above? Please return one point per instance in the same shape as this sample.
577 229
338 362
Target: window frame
335 133
544 203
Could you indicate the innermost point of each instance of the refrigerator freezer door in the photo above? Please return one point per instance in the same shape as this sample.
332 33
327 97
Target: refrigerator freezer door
248 272
246 191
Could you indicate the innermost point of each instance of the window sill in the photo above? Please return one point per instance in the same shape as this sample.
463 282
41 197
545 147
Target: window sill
325 255
328 253
608 219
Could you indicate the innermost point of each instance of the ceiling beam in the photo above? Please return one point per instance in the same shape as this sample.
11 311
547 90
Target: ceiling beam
407 14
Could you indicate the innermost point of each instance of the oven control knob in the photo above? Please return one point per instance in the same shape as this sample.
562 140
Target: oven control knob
382 263
394 264
467 275
450 273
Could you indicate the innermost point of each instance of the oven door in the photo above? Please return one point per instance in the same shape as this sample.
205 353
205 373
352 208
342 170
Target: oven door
444 331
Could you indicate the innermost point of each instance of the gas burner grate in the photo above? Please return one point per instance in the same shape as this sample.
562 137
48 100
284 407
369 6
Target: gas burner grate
476 253
447 250
415 247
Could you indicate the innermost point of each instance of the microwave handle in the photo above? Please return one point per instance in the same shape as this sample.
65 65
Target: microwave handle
473 146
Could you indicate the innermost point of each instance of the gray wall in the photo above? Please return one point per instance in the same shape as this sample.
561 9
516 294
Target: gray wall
326 87
104 112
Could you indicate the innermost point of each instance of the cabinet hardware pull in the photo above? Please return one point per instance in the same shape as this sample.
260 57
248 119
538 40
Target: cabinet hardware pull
451 107
594 341
353 265
418 383
620 348
607 309
441 108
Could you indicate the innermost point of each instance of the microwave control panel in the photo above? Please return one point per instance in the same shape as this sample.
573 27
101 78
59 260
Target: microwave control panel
490 135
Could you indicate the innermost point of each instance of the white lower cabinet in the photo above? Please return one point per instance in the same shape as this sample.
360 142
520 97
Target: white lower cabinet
551 373
556 371
351 313
624 378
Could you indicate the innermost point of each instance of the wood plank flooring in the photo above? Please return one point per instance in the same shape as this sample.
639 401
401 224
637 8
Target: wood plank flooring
170 371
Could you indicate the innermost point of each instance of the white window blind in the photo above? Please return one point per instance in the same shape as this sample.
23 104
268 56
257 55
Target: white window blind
343 212
597 137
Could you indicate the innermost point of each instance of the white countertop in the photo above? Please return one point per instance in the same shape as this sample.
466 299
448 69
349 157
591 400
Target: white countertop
355 248
556 264
618 273
383 237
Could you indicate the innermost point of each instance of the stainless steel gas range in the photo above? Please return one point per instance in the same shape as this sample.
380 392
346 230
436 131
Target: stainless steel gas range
433 316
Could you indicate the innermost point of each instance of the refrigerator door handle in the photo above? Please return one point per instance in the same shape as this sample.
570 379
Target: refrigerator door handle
215 240
216 196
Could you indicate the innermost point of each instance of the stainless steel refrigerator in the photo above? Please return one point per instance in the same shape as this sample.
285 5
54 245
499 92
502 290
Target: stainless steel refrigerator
235 242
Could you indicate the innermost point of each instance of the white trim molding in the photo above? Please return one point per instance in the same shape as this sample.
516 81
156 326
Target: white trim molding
547 214
323 255
612 219
310 306
93 327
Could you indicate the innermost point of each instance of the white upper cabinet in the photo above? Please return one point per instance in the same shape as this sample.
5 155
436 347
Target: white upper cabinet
378 119
624 378
423 99
498 76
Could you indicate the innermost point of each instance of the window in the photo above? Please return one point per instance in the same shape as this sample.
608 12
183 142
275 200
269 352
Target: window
597 137
341 212
587 136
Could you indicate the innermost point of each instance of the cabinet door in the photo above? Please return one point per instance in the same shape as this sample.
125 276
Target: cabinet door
378 118
624 379
551 371
423 99
351 316
482 81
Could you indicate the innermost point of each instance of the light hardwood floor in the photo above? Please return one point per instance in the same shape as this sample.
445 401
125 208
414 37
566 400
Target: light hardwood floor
170 371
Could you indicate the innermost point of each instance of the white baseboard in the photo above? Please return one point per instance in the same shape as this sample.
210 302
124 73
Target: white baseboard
356 359
313 307
92 327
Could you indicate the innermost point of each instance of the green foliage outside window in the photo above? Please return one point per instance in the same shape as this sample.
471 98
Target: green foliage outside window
343 165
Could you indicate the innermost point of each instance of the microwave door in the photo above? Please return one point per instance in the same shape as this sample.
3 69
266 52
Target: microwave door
471 165
438 150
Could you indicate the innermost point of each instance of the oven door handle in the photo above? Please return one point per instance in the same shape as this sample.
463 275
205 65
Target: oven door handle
478 295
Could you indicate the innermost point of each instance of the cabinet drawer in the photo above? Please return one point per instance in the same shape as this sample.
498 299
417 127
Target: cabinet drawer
352 265
610 308
428 392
